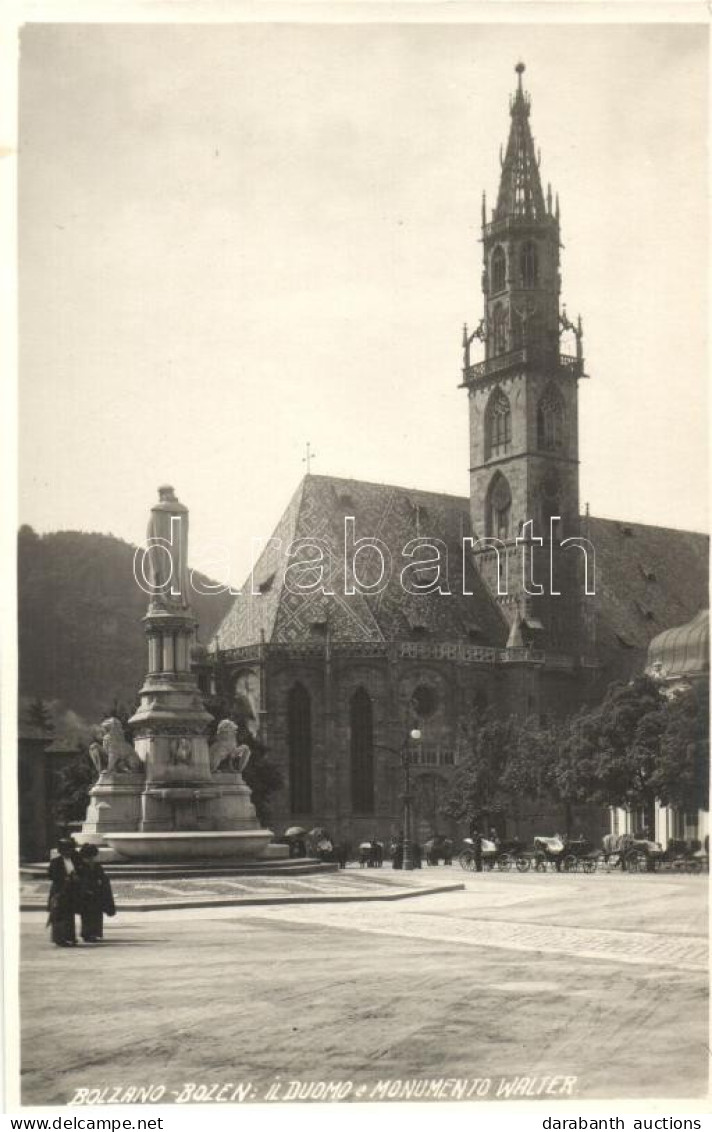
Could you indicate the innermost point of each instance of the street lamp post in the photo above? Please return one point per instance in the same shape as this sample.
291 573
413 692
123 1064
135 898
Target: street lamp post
406 760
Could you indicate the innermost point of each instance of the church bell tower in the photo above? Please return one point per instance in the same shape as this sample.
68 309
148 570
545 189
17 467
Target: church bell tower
523 400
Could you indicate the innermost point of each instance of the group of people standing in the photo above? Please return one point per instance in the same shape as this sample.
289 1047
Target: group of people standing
79 886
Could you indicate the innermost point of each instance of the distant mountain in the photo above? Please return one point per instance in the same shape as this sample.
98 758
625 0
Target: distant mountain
81 639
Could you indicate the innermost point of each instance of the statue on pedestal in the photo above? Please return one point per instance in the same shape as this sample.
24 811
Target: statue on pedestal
116 755
225 752
167 543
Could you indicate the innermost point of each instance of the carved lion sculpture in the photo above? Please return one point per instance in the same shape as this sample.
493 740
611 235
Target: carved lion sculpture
121 758
225 753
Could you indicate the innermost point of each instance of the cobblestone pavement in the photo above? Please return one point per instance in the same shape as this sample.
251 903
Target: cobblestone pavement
682 952
600 980
352 883
642 920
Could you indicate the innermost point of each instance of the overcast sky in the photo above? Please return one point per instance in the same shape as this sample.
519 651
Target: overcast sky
235 239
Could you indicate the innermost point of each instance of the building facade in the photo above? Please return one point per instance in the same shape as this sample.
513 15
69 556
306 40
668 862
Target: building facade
376 609
679 659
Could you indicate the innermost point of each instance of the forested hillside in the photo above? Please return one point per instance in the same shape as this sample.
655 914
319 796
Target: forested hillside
80 634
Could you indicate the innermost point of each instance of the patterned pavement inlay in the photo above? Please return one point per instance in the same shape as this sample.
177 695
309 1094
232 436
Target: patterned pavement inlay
683 952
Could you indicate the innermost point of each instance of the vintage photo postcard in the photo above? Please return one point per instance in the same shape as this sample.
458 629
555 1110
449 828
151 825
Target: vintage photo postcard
358 750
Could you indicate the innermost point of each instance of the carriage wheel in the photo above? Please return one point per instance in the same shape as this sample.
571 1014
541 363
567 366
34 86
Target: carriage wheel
523 864
569 863
588 865
540 865
695 866
635 862
467 861
505 862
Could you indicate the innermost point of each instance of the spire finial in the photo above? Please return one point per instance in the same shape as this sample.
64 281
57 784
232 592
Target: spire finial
520 69
308 458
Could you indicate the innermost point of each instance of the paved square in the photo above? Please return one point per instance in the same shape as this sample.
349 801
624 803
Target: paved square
540 985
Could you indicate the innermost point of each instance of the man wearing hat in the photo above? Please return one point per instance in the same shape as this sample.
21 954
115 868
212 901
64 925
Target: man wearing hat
64 893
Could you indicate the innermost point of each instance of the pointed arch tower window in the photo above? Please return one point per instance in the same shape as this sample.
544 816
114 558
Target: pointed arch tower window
550 504
499 269
529 264
550 420
498 425
499 322
498 518
361 720
299 742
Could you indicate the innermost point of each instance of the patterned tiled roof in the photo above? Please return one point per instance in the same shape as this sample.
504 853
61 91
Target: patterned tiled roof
647 578
395 515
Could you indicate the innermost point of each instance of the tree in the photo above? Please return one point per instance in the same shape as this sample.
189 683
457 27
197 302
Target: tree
71 788
681 776
39 714
640 744
429 791
73 782
574 769
507 761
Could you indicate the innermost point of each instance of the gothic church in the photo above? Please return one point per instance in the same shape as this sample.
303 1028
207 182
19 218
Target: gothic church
334 680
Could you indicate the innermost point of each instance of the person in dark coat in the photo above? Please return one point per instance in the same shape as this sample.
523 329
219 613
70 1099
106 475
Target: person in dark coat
64 893
95 896
477 846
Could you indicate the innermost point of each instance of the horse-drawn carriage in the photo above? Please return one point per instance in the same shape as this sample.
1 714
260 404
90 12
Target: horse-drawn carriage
438 848
632 854
370 854
685 857
502 855
564 854
295 838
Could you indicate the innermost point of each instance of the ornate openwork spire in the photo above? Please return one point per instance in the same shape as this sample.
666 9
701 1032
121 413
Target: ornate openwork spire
520 193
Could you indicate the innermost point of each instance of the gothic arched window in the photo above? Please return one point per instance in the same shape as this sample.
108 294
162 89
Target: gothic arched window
550 420
500 329
549 504
499 269
499 508
299 742
529 264
424 701
361 719
498 425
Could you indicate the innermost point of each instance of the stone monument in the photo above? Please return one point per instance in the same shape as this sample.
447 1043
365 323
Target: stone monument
170 796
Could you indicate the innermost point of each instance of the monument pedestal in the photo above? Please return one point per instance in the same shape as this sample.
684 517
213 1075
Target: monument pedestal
114 803
163 800
231 807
